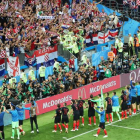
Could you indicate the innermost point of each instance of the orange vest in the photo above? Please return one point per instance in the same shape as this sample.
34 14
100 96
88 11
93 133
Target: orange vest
111 55
137 42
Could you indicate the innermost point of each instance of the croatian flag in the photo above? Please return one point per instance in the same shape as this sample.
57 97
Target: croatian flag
46 56
113 33
2 67
29 60
65 26
13 66
103 37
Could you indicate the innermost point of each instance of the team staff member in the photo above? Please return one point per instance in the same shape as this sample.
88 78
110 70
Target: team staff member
57 120
108 108
76 115
1 122
15 121
42 73
138 96
65 118
102 121
124 104
33 116
81 109
91 110
133 95
115 105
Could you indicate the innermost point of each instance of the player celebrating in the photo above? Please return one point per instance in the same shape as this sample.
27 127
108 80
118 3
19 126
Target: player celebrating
115 105
108 108
138 96
1 122
65 118
129 98
91 110
102 121
100 101
81 110
133 95
57 120
15 121
124 104
76 117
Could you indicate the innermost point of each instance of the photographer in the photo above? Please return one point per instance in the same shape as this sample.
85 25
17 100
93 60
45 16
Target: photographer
108 71
132 63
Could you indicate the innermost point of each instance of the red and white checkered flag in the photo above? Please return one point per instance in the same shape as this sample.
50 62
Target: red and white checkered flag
46 57
2 54
138 2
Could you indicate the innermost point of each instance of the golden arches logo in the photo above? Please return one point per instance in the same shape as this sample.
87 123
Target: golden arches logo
82 93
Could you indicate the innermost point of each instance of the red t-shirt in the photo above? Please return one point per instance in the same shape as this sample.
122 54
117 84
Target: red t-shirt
95 74
71 63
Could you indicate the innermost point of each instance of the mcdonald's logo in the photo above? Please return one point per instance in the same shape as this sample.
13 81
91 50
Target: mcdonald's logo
82 93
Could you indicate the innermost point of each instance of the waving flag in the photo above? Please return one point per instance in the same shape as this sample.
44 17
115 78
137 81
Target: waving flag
29 60
138 2
46 56
13 66
65 26
113 33
2 67
103 37
92 41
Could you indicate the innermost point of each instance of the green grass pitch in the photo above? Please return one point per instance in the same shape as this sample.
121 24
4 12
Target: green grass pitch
128 129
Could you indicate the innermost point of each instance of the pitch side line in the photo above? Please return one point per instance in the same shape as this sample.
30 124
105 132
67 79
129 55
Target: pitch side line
92 130
88 131
126 127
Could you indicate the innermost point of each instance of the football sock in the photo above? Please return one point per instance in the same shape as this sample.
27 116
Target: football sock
13 133
89 120
55 127
83 120
74 124
59 126
105 132
98 131
77 124
118 115
110 117
2 133
107 118
18 132
63 125
94 118
67 126
122 114
125 114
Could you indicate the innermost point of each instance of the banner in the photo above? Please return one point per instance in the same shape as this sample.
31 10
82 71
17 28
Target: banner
49 104
46 17
113 33
46 56
29 60
2 67
125 78
101 38
13 66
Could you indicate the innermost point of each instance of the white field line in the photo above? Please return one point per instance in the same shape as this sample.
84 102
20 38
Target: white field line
125 127
93 130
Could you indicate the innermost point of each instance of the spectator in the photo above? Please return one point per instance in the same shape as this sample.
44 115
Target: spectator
72 64
136 44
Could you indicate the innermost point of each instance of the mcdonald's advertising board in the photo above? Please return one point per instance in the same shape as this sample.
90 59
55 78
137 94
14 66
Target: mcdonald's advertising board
49 104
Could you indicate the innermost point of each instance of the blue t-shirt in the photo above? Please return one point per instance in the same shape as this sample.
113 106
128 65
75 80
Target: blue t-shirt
138 89
14 114
1 118
102 116
133 90
129 99
115 100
